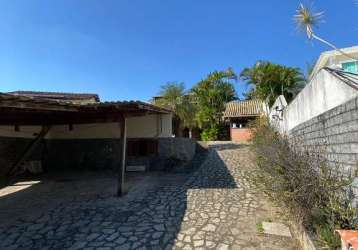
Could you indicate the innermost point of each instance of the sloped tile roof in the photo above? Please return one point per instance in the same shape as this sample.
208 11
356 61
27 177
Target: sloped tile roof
55 95
244 108
31 103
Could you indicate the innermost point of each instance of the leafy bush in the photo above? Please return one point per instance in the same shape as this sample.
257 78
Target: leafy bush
320 195
210 134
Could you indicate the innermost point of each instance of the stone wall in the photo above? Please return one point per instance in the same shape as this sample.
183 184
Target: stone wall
334 134
173 151
81 154
76 154
62 154
10 150
180 148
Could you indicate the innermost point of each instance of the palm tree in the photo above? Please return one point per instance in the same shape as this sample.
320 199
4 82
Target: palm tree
174 97
212 93
269 80
306 20
171 95
187 113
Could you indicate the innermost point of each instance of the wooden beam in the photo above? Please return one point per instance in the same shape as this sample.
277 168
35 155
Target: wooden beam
22 117
37 106
29 149
122 165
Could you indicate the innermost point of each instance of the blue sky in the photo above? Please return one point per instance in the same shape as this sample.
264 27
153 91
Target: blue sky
127 49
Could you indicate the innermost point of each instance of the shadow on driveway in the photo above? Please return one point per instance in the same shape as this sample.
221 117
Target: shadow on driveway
80 210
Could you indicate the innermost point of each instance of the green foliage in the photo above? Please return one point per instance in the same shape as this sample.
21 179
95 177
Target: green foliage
210 133
260 228
211 95
203 106
269 80
187 111
319 195
171 95
174 97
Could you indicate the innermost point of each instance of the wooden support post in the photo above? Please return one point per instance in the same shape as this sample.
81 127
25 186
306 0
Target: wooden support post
122 165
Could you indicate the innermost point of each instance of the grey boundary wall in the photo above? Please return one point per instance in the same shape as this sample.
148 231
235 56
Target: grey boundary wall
333 134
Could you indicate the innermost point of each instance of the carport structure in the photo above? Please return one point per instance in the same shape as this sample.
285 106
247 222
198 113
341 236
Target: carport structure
16 111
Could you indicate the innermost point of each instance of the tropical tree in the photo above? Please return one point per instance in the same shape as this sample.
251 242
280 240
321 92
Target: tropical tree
170 95
269 80
211 94
174 97
187 113
306 20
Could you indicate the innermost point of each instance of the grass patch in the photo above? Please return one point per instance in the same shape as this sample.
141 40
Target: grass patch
260 228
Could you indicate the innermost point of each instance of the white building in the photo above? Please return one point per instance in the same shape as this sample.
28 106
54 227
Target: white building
333 82
337 60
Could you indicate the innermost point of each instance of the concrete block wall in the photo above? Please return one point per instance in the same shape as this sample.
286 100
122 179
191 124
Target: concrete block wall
322 93
334 134
76 154
181 149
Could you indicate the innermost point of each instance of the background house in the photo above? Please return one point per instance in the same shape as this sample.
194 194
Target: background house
42 133
54 132
323 117
336 60
238 114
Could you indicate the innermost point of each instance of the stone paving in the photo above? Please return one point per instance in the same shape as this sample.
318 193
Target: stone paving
214 208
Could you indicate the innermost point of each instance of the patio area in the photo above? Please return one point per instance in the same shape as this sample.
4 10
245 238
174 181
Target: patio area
214 207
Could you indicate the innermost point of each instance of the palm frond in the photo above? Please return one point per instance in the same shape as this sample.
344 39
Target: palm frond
306 19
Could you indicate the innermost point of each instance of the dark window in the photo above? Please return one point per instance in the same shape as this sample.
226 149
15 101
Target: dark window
142 147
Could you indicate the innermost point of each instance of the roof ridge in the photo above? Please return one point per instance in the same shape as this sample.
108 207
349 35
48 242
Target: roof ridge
48 92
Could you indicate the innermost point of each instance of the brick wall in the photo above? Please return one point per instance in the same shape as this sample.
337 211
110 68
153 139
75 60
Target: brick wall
240 134
334 134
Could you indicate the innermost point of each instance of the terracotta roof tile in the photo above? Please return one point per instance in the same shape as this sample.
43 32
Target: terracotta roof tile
55 95
244 108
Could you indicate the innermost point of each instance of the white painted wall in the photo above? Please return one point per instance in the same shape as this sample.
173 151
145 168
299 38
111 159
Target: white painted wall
85 131
276 113
334 58
25 131
323 93
149 126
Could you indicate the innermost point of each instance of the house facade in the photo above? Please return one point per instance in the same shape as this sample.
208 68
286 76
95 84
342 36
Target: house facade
238 115
41 134
346 61
323 117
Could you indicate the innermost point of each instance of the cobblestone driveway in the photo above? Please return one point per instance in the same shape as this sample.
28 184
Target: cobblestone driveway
214 208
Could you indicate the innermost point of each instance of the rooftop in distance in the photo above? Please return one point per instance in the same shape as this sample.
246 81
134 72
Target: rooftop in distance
75 98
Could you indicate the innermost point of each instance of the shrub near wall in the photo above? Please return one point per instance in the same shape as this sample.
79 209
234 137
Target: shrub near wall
318 195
